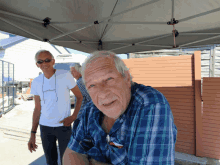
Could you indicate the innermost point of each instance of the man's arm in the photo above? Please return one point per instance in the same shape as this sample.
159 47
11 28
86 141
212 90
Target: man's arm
79 99
71 157
68 120
36 116
157 132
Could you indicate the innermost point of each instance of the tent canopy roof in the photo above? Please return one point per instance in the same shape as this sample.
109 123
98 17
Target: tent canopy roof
116 25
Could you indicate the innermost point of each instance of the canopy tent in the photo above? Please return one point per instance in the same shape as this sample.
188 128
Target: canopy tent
122 26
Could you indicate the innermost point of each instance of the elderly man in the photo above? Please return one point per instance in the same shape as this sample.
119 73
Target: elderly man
125 124
76 72
52 107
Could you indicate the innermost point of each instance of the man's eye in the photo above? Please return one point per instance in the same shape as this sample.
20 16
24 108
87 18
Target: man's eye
109 78
91 86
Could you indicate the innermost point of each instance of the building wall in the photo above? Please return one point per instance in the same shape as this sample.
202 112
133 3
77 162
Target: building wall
174 77
3 35
22 56
217 62
205 57
210 118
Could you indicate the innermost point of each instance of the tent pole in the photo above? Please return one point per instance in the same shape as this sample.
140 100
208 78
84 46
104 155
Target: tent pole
20 28
141 42
172 9
212 61
101 20
68 35
199 33
19 16
162 46
157 23
199 15
210 38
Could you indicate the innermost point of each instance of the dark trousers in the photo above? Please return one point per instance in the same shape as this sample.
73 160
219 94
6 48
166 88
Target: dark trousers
49 136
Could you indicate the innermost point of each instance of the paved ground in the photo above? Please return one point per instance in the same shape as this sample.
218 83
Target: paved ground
15 129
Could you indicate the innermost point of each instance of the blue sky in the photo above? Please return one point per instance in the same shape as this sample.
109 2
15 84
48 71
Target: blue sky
122 56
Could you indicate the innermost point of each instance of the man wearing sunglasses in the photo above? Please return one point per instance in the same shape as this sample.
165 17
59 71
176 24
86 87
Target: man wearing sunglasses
52 107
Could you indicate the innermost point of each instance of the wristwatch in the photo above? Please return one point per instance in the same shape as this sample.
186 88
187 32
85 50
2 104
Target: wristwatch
33 132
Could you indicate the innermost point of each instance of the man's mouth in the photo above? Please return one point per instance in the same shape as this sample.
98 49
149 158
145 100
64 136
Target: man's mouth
107 104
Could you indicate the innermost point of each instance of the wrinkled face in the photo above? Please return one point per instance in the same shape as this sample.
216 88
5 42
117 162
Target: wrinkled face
110 92
45 67
75 73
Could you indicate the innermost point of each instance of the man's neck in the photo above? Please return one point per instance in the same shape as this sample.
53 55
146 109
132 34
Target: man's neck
49 74
108 123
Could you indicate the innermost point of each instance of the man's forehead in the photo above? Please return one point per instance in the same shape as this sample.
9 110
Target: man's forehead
97 76
43 54
100 61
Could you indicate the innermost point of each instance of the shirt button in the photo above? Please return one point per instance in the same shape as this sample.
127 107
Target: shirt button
108 138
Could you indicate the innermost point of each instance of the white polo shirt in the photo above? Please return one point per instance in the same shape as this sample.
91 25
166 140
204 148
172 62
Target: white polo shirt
55 96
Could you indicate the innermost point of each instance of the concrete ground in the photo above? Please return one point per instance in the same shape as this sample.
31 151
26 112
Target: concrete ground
14 148
15 129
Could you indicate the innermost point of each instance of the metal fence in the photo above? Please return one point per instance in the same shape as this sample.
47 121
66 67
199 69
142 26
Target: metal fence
7 87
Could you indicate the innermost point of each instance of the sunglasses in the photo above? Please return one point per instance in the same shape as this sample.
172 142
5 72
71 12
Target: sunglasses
42 61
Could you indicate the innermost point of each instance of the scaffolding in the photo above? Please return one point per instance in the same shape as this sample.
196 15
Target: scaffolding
7 87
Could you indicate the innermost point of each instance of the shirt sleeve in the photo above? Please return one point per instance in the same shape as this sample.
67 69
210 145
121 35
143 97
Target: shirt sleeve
34 88
155 137
78 138
83 90
81 140
71 83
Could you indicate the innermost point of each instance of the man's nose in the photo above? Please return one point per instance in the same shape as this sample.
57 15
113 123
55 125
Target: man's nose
44 63
103 92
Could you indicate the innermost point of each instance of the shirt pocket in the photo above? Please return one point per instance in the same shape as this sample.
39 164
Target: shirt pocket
86 144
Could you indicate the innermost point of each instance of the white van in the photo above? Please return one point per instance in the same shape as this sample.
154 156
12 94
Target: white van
66 66
64 61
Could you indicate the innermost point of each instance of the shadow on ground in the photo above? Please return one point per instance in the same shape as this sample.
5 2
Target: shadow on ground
40 161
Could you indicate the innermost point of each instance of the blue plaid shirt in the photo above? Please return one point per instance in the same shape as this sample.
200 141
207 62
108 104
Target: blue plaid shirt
86 97
146 131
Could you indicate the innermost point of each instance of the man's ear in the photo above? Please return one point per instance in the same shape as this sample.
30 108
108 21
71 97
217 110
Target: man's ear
128 77
53 60
37 65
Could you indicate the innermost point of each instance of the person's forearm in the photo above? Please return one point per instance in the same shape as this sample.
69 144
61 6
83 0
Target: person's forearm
72 158
36 117
77 107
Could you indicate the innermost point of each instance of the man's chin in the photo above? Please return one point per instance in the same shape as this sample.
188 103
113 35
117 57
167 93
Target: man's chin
45 69
111 113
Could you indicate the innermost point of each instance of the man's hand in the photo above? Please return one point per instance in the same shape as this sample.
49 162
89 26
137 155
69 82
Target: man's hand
68 121
31 144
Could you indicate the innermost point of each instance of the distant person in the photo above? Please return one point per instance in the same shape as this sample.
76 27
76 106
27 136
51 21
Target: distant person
76 72
126 123
51 92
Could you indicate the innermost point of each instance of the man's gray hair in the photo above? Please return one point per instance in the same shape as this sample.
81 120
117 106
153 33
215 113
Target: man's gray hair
78 67
119 64
42 51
